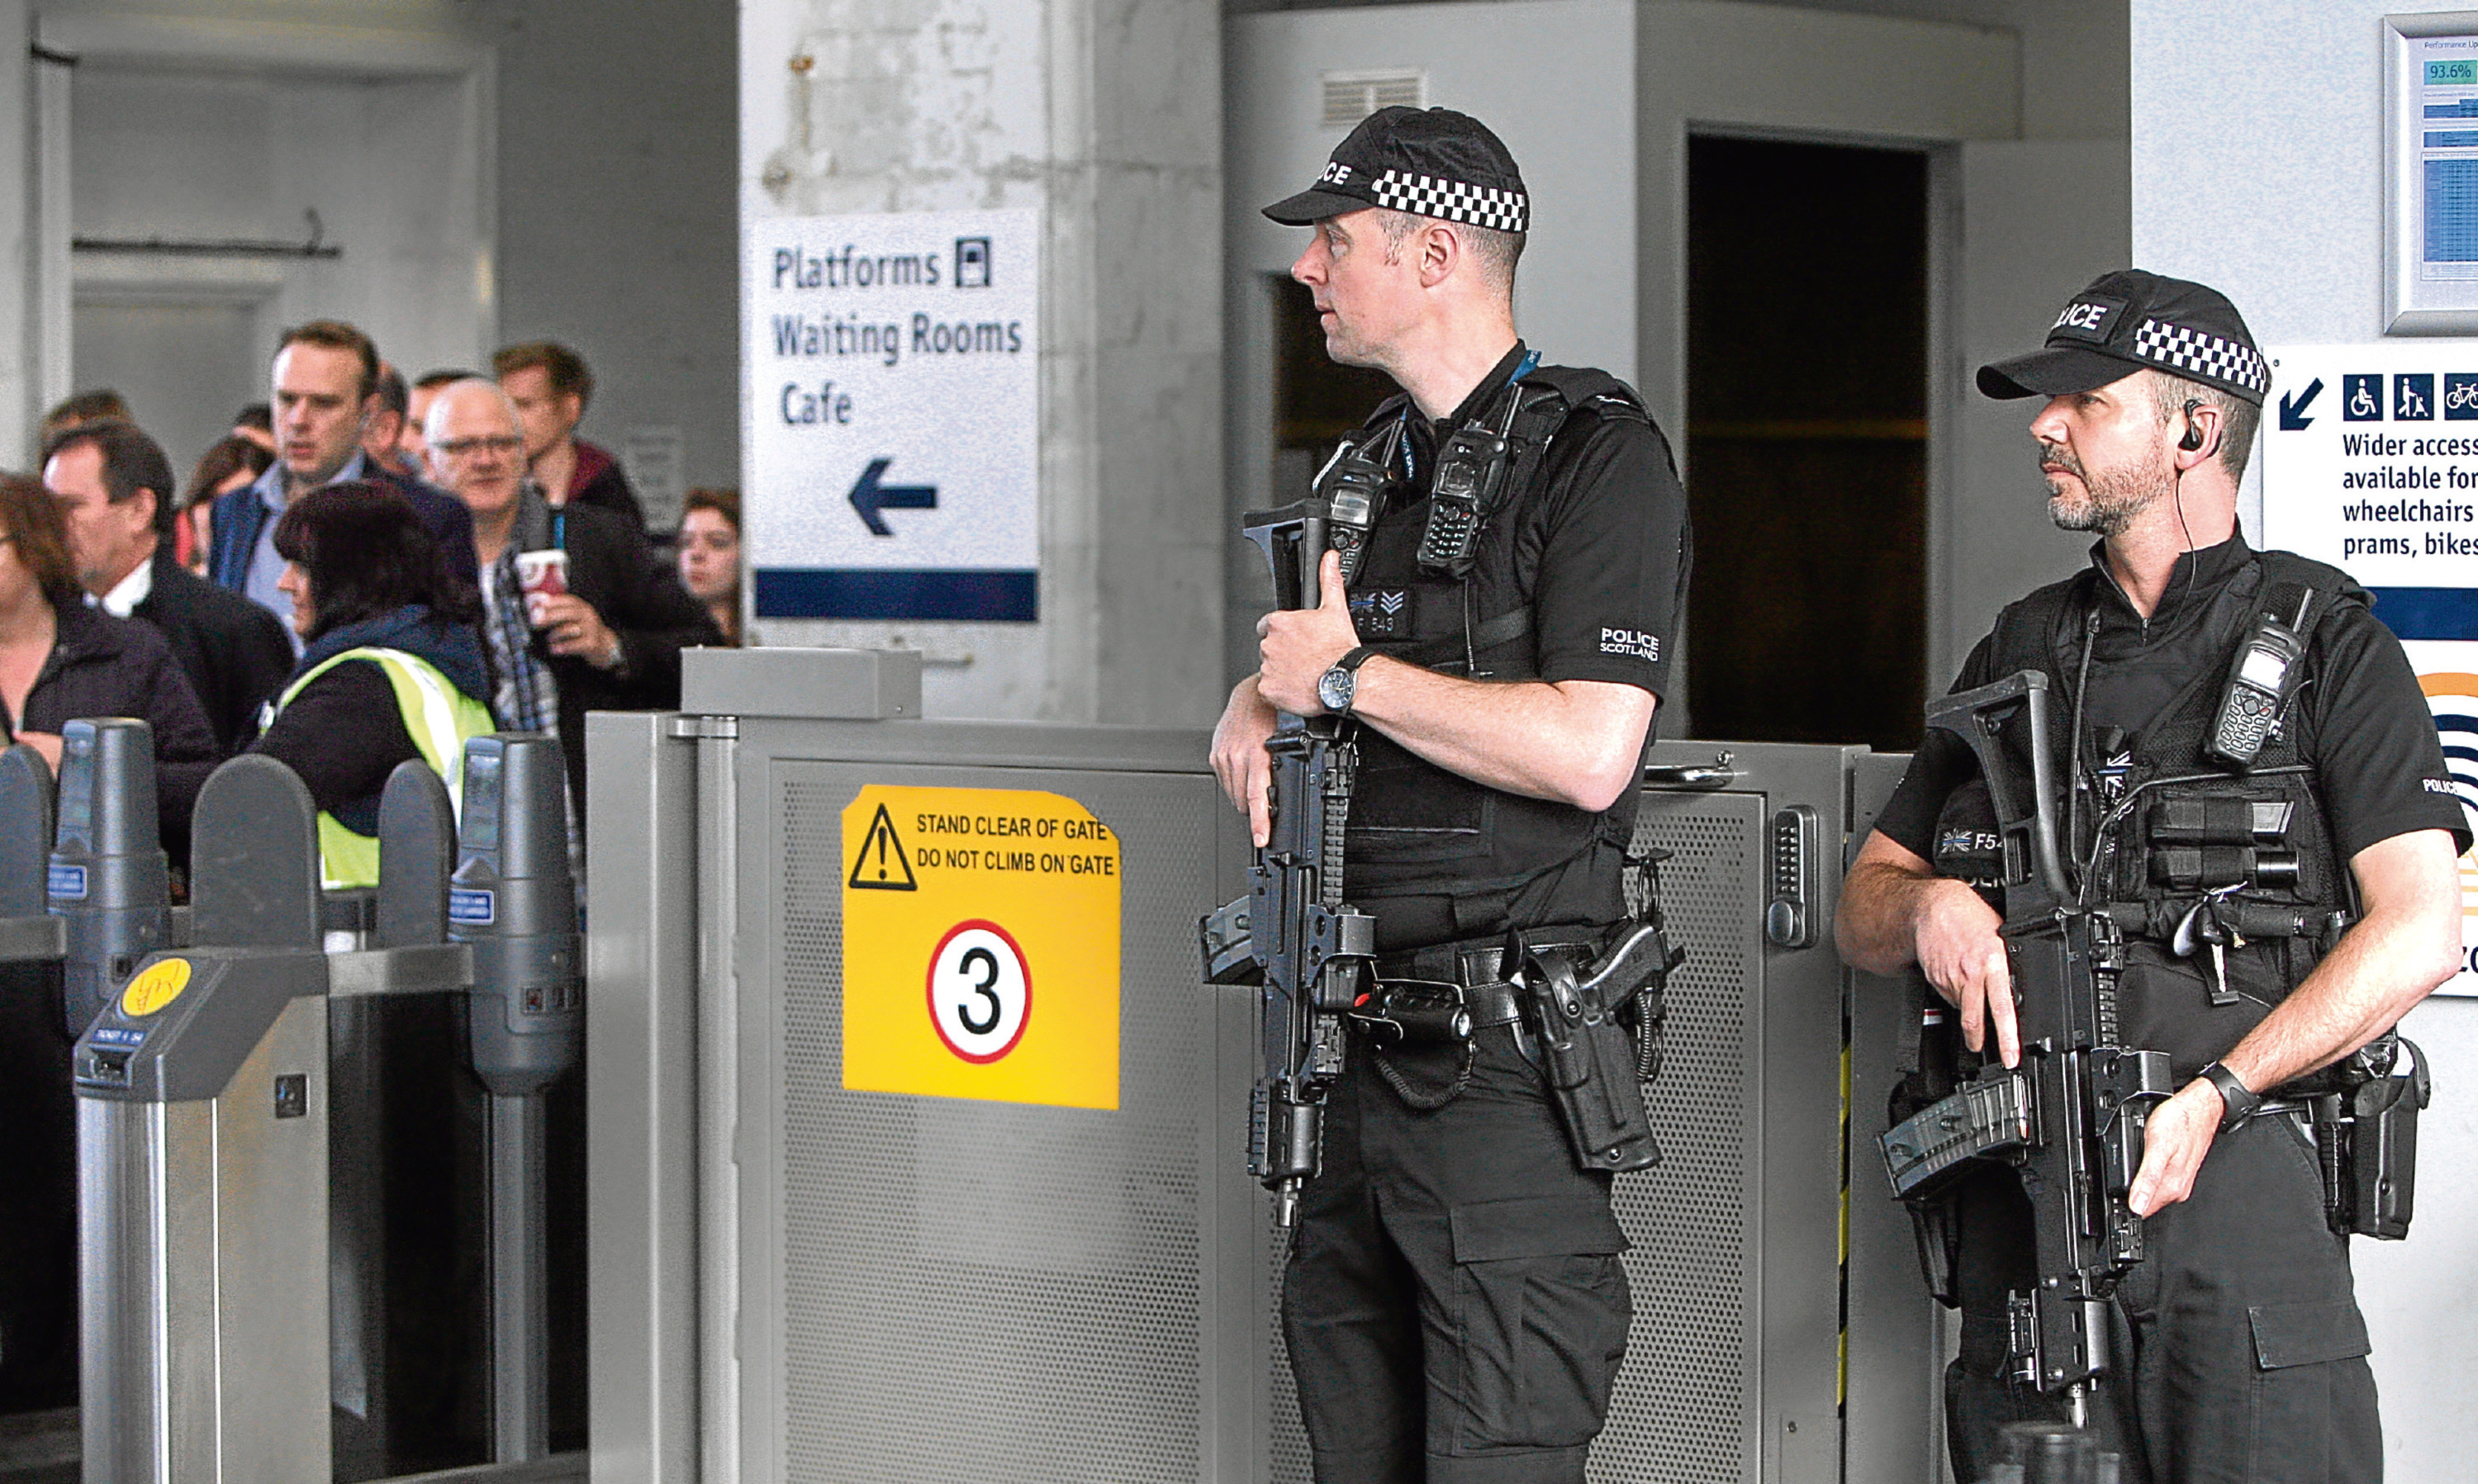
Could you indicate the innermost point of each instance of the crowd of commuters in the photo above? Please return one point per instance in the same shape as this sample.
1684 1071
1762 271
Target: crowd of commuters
367 568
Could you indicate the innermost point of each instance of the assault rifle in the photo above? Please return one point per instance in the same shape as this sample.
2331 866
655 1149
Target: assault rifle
2070 1118
1290 933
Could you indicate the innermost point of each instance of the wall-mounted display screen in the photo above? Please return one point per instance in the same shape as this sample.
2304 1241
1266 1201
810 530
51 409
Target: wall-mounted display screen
2431 181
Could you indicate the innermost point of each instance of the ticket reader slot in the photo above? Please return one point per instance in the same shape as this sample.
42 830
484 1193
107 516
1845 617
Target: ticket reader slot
108 878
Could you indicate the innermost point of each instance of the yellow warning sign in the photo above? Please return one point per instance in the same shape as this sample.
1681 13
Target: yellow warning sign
156 986
980 946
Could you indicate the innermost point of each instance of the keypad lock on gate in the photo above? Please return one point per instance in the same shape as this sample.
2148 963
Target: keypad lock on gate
1789 917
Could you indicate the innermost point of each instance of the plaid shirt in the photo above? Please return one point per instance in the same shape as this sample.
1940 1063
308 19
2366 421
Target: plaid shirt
527 699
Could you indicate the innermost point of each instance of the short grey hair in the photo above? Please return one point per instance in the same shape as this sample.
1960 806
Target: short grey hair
2239 418
432 419
1496 252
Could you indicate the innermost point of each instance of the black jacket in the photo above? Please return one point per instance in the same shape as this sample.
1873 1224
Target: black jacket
615 570
600 482
105 666
235 652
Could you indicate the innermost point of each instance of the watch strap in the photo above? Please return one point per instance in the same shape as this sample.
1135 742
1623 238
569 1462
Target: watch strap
2238 1100
1353 659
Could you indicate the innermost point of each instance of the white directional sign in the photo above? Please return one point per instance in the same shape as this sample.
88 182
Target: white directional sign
894 409
2370 462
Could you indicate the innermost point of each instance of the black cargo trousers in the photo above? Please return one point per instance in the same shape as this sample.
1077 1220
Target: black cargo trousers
2241 1356
1455 1305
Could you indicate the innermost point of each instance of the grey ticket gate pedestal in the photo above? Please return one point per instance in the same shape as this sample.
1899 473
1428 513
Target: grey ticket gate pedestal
793 1280
204 1114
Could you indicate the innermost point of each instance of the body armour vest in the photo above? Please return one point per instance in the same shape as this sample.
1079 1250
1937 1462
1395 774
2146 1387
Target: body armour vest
2180 834
1416 829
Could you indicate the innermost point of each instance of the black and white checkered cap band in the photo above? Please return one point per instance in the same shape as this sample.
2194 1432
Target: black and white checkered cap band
1433 195
2201 355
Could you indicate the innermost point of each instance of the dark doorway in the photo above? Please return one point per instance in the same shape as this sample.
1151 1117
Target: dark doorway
1806 393
1316 402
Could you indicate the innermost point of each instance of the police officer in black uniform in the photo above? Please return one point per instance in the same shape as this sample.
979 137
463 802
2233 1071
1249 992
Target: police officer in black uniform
1455 1305
2238 1352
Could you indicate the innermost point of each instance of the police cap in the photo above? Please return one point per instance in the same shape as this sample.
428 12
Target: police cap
2131 320
1427 161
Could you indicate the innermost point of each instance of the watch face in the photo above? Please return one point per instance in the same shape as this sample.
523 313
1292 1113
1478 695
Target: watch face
1333 690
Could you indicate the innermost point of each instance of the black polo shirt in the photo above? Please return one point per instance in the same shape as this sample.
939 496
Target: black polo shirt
2376 754
1604 553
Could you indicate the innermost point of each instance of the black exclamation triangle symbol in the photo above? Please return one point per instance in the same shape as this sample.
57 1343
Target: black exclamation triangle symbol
881 865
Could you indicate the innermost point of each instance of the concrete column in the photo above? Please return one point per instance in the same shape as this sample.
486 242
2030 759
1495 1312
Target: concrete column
18 383
1107 115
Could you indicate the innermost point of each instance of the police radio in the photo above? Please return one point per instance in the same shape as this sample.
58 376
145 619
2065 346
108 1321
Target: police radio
1471 471
1354 483
2262 678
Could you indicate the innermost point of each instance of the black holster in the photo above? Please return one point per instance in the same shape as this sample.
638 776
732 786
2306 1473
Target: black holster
1585 1018
2366 1137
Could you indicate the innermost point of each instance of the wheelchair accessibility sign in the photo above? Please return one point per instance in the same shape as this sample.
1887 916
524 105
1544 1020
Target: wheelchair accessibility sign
2370 462
980 932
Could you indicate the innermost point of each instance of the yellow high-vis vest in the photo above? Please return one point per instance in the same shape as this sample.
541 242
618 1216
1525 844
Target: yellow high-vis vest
440 718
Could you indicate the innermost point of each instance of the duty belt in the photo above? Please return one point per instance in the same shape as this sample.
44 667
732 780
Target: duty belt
1474 965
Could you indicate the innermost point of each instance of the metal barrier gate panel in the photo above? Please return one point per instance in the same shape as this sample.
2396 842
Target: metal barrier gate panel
913 1287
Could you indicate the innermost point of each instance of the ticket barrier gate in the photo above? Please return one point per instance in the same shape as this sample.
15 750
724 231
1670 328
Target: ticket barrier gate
206 1110
803 1268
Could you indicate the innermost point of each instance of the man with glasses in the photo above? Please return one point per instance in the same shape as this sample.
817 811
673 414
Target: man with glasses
326 393
607 634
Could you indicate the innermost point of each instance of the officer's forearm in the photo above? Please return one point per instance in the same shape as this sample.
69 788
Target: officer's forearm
1577 742
2408 943
1876 926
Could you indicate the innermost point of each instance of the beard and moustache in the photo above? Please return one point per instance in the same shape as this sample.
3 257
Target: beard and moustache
2104 505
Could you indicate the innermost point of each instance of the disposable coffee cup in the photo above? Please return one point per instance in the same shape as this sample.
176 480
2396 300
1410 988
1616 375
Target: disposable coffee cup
540 574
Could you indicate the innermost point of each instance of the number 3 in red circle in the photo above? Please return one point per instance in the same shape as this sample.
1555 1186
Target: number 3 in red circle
980 991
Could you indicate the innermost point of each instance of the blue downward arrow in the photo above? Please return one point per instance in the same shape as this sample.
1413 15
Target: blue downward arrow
2293 407
868 497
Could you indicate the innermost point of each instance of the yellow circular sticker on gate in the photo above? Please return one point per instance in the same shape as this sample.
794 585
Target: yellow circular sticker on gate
155 986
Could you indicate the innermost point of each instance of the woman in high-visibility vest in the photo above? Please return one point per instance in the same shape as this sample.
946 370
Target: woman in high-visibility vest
391 666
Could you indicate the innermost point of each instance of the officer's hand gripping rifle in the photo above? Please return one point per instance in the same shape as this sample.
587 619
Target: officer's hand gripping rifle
2071 1116
1290 933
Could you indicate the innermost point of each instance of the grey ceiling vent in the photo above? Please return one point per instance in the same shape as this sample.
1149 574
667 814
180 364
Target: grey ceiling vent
1351 96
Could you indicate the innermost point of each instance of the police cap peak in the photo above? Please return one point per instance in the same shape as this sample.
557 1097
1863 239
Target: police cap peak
1427 161
2130 321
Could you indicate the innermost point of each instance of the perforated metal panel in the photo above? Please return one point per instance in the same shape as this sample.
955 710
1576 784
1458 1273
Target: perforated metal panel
968 1290
1689 1406
1685 1411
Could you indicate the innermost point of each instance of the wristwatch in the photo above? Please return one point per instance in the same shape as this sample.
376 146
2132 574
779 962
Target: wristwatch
1337 687
2238 1100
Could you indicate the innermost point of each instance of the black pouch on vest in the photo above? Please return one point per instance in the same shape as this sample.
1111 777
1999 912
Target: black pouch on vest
1586 1051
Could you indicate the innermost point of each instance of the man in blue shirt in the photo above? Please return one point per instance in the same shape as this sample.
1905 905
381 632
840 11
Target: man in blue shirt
325 394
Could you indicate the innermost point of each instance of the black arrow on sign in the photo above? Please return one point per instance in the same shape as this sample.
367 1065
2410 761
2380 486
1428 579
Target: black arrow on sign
868 497
2293 407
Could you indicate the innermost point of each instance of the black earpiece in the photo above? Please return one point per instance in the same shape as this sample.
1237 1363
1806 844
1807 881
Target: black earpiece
2192 441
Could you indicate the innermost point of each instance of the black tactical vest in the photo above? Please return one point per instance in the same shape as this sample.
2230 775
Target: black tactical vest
1416 829
2138 863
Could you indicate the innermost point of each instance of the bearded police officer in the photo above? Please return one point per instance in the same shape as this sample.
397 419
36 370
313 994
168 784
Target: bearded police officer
2260 965
1455 1305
